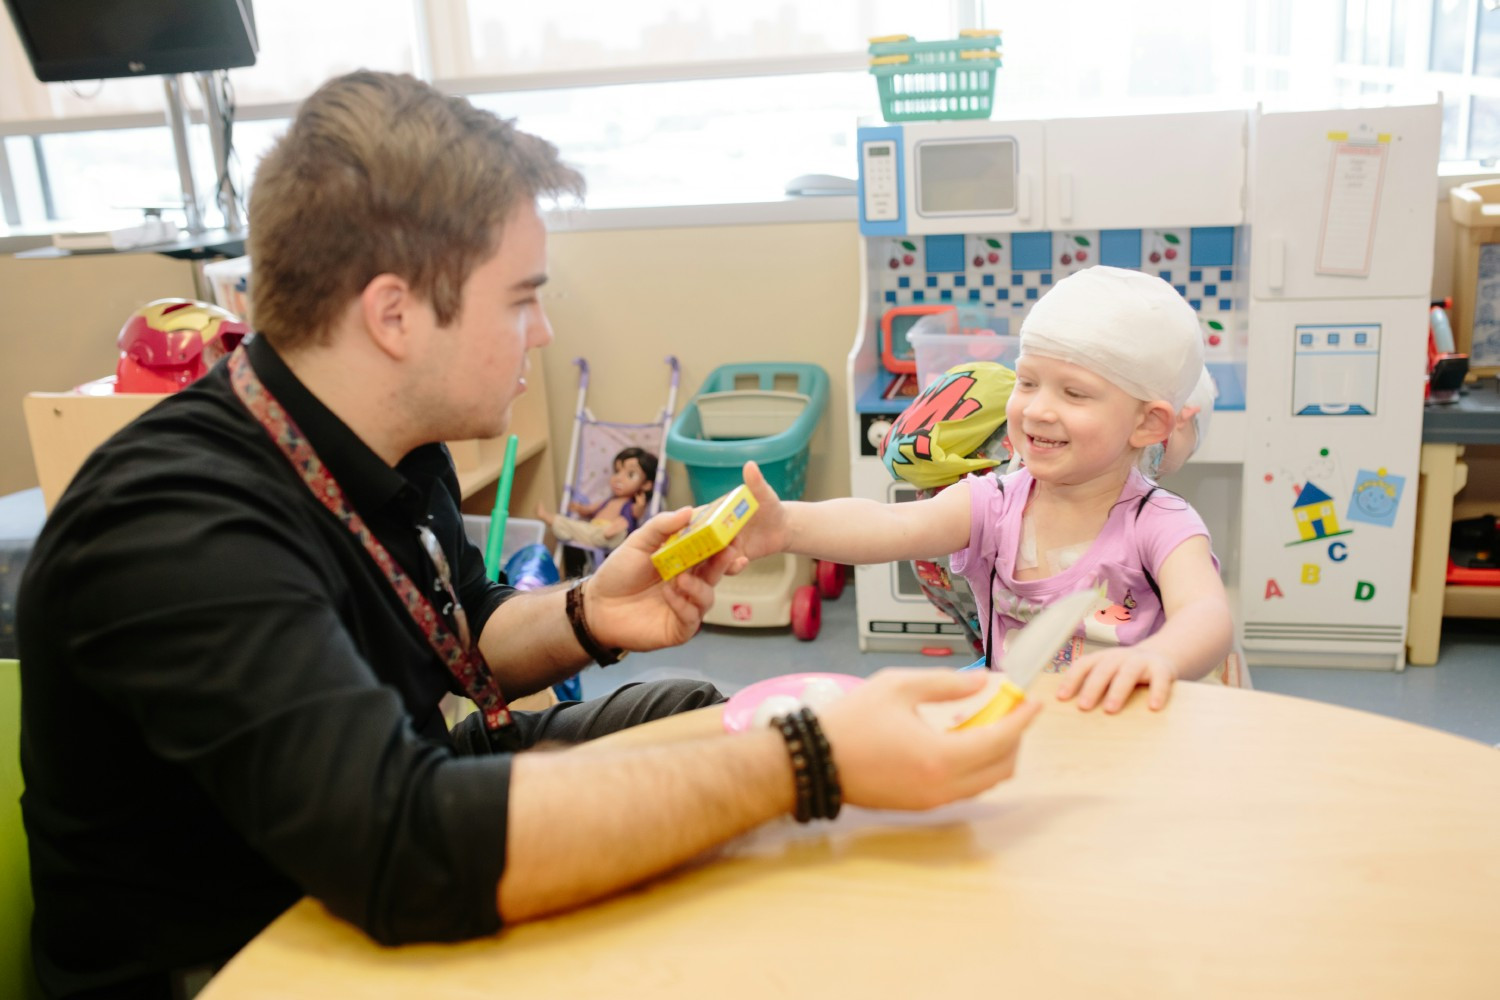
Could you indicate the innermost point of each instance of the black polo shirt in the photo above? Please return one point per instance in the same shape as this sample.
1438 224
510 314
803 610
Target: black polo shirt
225 706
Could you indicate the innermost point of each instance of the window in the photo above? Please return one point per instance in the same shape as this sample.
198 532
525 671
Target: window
688 102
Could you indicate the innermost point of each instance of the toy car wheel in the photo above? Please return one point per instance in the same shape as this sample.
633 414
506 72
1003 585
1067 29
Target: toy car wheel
807 613
831 576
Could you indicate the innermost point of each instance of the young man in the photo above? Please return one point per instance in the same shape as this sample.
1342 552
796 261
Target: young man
238 622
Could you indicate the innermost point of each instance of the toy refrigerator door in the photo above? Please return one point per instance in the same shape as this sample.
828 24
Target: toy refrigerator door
1341 202
1146 170
1329 492
974 177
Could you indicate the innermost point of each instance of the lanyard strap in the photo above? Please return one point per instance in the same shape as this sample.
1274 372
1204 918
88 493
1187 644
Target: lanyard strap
464 662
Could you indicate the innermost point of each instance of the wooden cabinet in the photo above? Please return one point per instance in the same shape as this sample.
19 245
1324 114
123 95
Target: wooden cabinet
65 427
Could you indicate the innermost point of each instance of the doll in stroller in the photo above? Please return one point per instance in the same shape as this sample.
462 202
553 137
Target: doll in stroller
605 524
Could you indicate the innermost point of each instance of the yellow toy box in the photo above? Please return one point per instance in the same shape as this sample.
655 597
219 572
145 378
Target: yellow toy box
712 527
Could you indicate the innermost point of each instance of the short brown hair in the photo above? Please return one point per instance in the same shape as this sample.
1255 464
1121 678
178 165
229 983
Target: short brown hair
380 173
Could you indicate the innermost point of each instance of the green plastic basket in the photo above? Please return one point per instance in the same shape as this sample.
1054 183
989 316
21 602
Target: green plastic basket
928 80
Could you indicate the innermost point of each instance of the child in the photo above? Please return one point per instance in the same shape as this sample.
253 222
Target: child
610 520
1108 360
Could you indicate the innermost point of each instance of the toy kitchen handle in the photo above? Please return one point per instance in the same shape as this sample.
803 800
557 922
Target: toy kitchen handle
1065 197
1023 202
1276 263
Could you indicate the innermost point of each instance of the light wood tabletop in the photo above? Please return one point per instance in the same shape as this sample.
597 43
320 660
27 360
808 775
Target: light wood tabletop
1238 844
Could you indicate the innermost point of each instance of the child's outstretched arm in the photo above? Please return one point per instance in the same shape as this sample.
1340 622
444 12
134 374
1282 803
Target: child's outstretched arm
851 529
1197 634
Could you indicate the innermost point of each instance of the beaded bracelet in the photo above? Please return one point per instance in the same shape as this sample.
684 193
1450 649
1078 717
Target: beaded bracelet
832 798
814 773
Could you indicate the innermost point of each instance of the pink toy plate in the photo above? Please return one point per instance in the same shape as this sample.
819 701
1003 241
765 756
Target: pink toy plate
739 710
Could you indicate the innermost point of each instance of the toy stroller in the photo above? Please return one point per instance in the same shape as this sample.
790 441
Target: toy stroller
591 457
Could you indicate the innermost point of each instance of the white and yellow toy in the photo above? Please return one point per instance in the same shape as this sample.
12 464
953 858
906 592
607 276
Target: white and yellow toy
712 527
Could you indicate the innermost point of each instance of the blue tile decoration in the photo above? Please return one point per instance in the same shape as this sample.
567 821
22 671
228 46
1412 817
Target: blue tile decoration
1213 246
945 253
1031 251
1120 248
1024 275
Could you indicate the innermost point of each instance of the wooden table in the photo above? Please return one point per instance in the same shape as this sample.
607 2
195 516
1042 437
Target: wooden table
1237 844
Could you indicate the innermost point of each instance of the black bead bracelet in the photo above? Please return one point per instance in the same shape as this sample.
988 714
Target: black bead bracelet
814 773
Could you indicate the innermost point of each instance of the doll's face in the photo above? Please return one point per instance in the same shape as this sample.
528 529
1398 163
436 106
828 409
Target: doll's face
628 479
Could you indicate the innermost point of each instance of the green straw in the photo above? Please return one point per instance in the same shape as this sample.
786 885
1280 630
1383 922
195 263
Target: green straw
495 541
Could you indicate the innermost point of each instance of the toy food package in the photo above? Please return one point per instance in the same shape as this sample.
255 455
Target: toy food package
712 527
955 427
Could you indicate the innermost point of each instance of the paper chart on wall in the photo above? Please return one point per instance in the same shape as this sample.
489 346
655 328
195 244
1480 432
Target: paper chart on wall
1350 206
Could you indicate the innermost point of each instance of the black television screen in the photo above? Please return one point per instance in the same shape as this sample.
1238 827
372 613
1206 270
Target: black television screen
96 39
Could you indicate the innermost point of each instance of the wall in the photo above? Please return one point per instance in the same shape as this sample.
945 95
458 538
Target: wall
58 323
622 298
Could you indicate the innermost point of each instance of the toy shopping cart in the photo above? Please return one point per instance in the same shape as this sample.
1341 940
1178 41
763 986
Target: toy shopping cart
765 412
592 450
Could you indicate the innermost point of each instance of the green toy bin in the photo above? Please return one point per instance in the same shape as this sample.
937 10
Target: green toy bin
932 80
764 412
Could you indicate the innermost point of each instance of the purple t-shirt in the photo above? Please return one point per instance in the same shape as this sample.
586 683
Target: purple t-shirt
1136 537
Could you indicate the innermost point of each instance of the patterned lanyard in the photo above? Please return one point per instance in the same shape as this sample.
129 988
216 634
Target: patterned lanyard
462 660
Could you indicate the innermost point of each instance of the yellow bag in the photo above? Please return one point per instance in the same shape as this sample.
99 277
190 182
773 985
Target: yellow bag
955 427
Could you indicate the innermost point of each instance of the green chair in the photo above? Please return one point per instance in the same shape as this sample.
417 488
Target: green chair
16 977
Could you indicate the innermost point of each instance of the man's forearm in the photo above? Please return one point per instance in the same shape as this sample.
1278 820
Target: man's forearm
584 826
530 643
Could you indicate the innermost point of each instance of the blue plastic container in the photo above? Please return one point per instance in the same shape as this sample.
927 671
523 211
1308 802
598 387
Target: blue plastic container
714 463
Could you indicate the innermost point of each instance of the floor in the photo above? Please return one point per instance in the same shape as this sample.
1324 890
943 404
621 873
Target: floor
1461 694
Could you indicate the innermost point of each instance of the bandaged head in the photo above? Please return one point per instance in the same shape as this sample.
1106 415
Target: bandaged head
1126 326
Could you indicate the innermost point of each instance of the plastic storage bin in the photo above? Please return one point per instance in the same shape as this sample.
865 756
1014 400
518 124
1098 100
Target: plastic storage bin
928 80
230 282
785 399
954 337
519 533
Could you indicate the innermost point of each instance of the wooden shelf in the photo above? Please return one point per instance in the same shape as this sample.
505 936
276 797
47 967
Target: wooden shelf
65 427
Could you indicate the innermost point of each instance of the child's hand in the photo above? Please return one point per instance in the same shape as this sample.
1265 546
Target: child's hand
1111 674
766 532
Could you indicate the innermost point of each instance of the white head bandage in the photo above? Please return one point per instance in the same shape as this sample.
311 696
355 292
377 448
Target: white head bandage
1126 326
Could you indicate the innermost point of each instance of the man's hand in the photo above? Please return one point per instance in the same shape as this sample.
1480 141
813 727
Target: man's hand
628 605
1112 674
889 757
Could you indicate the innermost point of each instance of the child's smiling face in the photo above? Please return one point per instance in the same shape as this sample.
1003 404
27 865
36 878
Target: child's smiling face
1070 425
628 479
